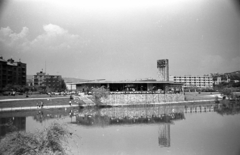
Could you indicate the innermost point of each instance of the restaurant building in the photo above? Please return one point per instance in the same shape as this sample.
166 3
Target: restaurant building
162 85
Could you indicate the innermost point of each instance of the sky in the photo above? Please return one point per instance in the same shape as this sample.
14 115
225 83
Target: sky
121 39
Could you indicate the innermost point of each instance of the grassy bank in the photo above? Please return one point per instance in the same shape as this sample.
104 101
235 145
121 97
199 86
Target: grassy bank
29 96
29 103
192 96
46 112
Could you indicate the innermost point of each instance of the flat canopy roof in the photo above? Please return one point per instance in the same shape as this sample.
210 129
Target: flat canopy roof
123 82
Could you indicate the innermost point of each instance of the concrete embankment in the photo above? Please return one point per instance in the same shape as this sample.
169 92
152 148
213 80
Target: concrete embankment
150 104
143 99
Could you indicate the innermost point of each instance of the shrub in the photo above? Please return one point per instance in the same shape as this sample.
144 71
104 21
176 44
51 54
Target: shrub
49 141
229 92
98 93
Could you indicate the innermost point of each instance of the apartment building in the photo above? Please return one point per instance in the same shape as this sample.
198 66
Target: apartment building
51 81
194 81
12 72
39 79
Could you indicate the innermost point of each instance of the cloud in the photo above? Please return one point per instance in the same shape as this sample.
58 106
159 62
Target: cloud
8 37
51 29
54 39
5 31
23 34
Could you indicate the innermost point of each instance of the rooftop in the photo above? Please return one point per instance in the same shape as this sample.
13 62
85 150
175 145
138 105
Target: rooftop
123 82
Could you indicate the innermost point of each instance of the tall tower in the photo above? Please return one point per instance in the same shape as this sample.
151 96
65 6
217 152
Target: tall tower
163 70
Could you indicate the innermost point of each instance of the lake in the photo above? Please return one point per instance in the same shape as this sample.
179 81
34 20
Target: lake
187 129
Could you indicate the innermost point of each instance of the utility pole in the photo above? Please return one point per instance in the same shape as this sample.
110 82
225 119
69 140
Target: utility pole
45 67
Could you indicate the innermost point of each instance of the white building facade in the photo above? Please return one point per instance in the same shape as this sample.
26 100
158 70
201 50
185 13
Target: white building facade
194 81
71 86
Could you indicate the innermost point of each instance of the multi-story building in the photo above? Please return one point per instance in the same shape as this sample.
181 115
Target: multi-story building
218 80
194 81
39 79
11 72
53 82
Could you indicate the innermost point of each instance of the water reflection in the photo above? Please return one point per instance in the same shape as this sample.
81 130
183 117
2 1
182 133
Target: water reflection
228 108
43 115
164 135
139 115
16 121
164 116
9 124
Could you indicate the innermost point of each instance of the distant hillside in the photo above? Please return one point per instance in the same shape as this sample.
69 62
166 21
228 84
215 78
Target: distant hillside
232 75
68 79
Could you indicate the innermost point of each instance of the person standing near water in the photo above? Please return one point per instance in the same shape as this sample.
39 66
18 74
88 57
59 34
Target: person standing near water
42 104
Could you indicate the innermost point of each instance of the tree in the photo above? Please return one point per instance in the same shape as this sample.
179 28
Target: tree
8 87
63 86
98 93
227 92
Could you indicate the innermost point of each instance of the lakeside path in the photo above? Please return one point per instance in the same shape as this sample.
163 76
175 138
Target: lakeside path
16 104
37 108
26 99
89 103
